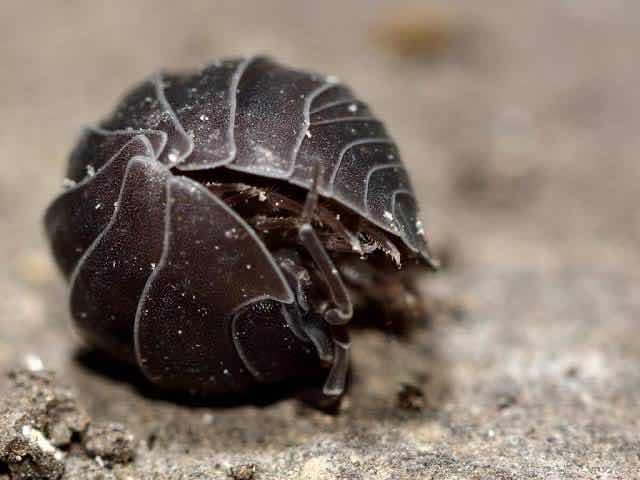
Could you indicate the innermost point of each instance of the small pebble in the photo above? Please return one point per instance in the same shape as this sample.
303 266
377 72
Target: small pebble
243 472
109 442
410 397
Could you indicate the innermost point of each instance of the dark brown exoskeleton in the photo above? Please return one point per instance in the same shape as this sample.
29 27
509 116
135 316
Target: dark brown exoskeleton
218 225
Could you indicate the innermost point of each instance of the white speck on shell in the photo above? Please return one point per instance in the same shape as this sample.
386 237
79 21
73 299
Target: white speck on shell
173 155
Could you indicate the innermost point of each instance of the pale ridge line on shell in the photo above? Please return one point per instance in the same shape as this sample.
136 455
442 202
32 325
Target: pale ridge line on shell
158 83
308 101
255 373
400 191
354 206
245 226
349 146
133 132
233 97
287 174
98 174
370 173
232 94
336 103
330 121
107 228
165 254
87 179
145 291
245 361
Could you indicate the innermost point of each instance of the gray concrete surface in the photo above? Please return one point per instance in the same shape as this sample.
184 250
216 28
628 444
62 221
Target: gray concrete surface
523 139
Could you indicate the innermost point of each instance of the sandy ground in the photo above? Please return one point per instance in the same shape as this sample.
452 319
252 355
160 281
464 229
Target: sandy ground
521 131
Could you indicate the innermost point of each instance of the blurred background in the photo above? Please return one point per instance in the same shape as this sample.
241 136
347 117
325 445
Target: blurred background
519 122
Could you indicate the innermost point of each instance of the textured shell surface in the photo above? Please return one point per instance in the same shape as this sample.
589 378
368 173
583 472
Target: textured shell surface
151 275
150 272
256 116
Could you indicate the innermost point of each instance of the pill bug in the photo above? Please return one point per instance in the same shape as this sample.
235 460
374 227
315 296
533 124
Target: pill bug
217 226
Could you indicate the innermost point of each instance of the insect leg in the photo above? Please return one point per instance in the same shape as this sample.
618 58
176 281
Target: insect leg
333 346
342 238
343 310
303 324
335 383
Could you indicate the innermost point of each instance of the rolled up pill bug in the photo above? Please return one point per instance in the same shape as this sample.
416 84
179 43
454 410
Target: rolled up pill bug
216 228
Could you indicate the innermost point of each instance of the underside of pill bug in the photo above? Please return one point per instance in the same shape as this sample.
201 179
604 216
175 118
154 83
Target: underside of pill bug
219 228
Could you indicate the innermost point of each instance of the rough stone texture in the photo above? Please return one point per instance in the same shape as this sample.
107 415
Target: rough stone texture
26 454
36 418
43 405
41 423
110 442
524 144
